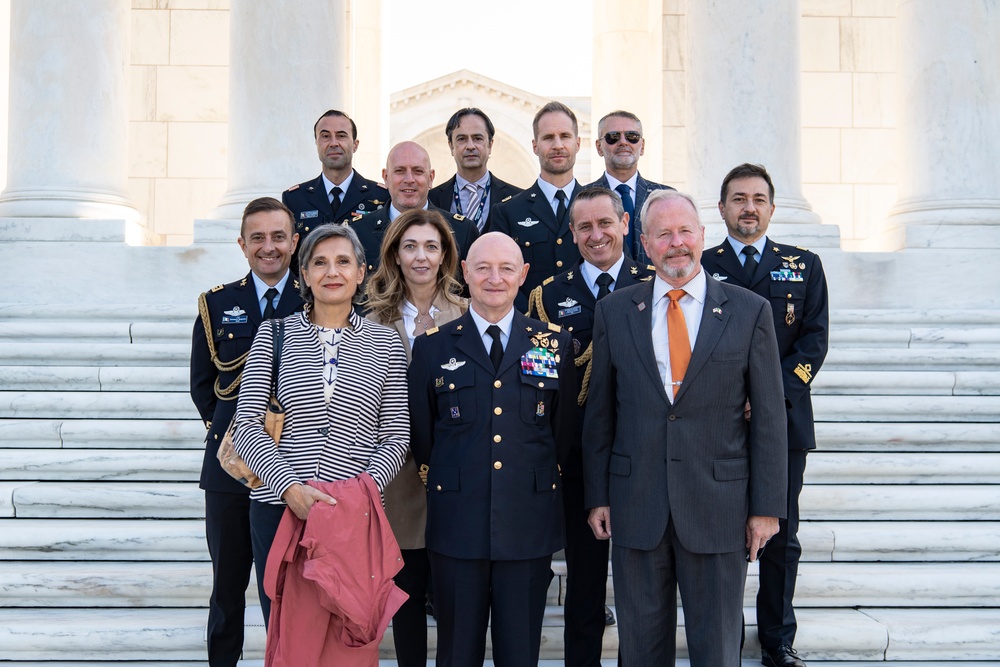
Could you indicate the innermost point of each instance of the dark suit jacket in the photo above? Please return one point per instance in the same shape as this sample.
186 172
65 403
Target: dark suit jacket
371 230
695 461
642 188
443 196
566 300
490 439
801 321
310 203
545 244
231 340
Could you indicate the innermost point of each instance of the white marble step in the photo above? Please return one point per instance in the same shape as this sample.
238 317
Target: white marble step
824 467
119 500
952 335
907 408
95 405
923 502
94 354
104 433
100 465
184 540
94 378
824 634
906 383
907 436
911 359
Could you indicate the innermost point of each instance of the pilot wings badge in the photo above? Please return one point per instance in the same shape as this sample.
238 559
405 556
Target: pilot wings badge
235 312
452 364
528 222
568 303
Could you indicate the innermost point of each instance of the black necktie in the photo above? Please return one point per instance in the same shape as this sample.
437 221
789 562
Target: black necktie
561 209
335 203
269 302
750 264
604 285
496 349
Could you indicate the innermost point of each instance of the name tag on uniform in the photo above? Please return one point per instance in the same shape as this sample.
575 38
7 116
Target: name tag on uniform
539 362
787 275
566 312
230 319
308 214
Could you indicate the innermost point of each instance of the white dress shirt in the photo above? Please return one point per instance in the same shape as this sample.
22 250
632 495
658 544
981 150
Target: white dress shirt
410 319
482 324
395 213
330 185
631 183
692 304
550 190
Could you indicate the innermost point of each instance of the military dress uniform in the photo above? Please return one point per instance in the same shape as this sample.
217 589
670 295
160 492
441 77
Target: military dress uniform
488 441
310 204
546 245
792 280
229 316
566 300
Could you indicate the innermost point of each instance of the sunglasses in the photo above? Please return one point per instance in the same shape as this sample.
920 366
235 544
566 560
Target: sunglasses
631 136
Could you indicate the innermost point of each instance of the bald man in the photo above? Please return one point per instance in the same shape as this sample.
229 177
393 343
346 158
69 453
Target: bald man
409 177
490 395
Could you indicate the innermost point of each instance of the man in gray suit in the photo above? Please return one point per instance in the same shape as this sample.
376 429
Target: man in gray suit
692 488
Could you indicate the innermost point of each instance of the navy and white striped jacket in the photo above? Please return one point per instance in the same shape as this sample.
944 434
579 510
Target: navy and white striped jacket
365 427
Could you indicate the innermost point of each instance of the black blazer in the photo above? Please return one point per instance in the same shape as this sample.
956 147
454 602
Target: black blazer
801 320
230 336
443 196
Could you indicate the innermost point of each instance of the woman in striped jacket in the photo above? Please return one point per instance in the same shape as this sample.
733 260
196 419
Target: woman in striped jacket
342 383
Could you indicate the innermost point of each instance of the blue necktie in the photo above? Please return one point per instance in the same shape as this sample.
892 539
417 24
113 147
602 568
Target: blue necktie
629 205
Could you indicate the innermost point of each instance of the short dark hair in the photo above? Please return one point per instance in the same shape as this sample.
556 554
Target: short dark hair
619 114
262 204
338 114
743 171
594 192
554 107
457 117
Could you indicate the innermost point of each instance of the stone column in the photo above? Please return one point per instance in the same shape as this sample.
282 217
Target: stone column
743 99
67 154
628 74
949 125
370 96
286 68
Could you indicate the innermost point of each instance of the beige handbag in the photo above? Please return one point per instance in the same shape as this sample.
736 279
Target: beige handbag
274 420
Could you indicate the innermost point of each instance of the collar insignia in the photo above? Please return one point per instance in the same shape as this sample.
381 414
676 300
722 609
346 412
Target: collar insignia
634 270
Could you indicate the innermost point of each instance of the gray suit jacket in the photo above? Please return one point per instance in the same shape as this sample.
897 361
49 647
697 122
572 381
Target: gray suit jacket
696 461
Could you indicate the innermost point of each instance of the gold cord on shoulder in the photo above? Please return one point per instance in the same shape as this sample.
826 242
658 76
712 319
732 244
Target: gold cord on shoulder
223 394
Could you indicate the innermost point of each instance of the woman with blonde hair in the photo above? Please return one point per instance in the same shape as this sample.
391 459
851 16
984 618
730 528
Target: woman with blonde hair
413 290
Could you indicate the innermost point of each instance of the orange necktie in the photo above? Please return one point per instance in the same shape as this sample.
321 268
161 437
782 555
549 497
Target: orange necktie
677 336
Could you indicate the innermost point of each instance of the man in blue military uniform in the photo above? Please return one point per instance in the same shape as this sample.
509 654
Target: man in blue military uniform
339 194
537 218
228 318
792 280
473 189
409 176
491 397
600 229
621 144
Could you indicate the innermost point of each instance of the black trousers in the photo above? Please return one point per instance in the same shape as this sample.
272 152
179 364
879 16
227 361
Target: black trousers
509 595
409 625
264 520
227 531
587 581
779 566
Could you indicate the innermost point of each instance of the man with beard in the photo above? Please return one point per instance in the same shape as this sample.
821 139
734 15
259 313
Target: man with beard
792 280
473 189
537 218
339 194
620 143
689 489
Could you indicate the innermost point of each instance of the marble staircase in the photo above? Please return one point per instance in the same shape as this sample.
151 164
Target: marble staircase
102 554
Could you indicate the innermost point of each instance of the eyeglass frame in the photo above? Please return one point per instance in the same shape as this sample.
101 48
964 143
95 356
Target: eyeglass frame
631 136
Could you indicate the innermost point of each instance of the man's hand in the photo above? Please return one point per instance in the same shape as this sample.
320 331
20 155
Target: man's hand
600 522
746 411
759 530
301 497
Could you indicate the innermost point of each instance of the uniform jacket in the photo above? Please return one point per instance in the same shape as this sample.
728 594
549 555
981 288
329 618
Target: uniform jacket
642 188
490 440
330 578
547 246
443 196
566 300
310 203
230 336
365 427
697 461
801 320
406 496
371 230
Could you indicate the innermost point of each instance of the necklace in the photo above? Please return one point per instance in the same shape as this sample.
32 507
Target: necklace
422 322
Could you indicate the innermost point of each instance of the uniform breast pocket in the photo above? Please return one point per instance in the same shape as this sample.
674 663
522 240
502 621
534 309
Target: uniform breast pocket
456 396
536 398
534 242
787 301
232 339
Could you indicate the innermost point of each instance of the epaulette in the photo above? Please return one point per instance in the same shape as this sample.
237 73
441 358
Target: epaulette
293 188
798 247
507 198
431 332
548 280
650 267
459 216
720 251
217 288
554 327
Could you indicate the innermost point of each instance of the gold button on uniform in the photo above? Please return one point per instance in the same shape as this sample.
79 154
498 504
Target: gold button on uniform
558 241
498 411
307 229
451 386
497 438
541 384
497 465
553 487
230 336
559 263
789 296
497 384
527 244
438 487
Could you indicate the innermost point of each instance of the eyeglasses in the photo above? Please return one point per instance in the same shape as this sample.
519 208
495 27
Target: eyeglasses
631 136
